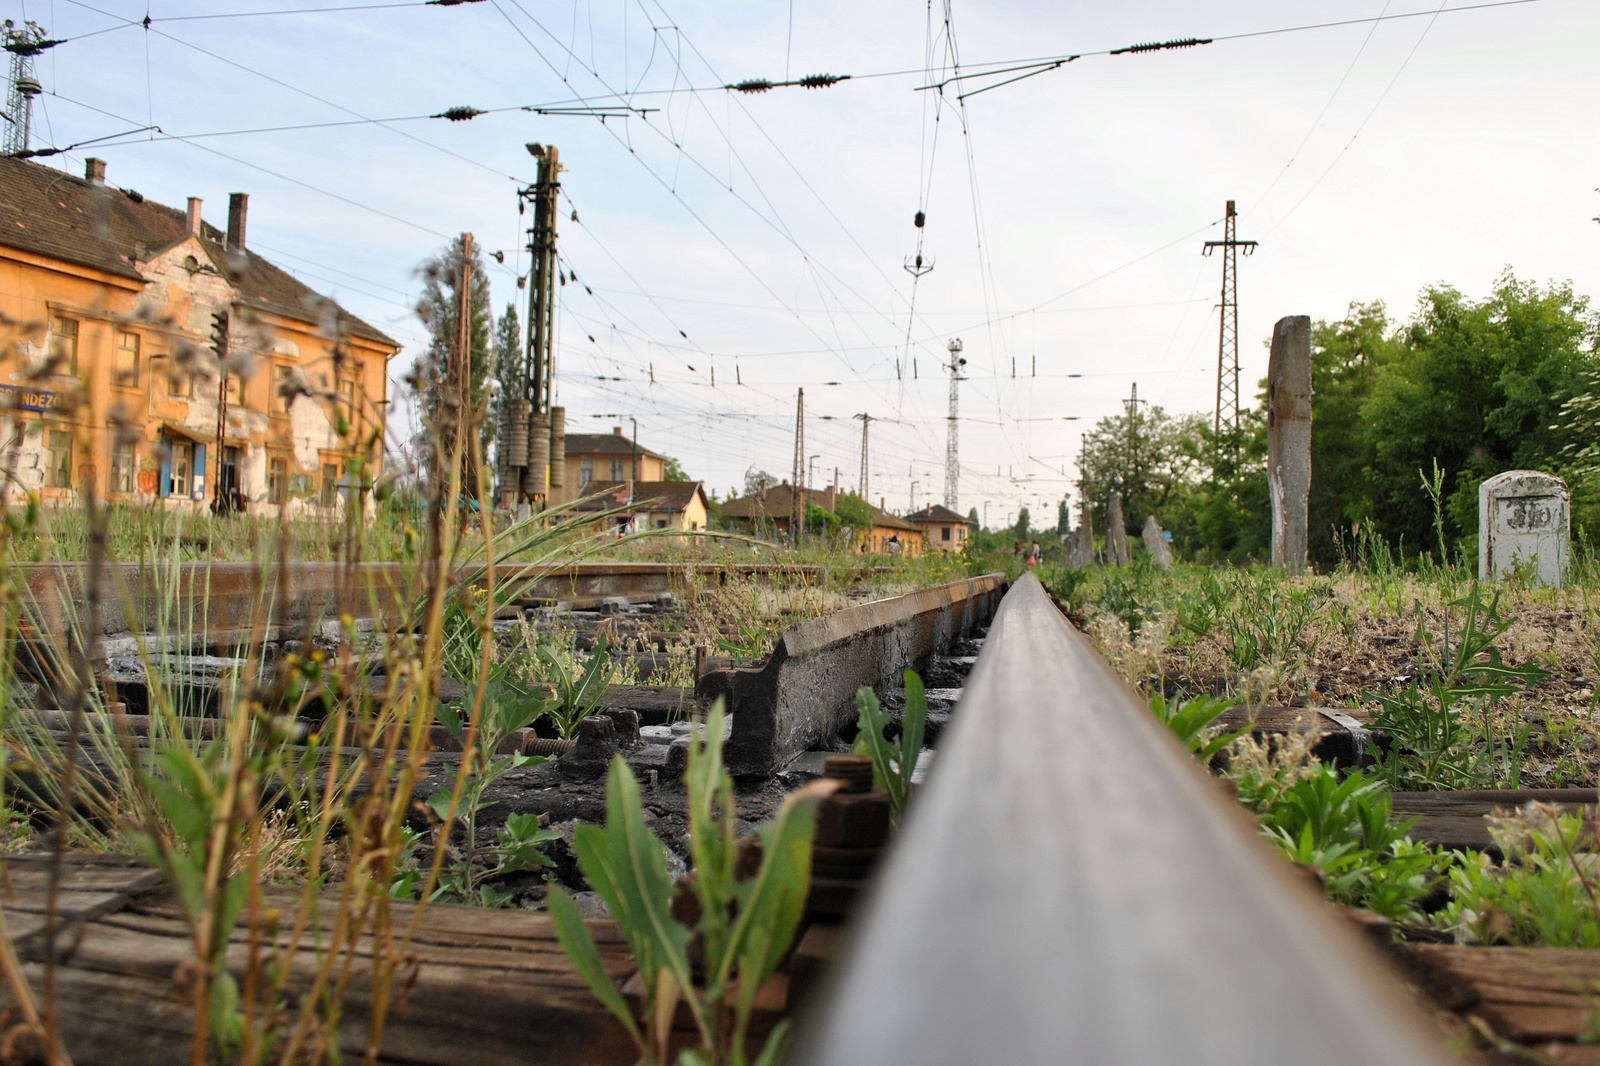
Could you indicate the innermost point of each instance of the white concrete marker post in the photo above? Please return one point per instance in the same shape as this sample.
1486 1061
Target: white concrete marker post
1524 517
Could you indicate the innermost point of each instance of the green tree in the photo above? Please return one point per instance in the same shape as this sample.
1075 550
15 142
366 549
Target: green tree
431 373
1020 530
675 471
509 369
1479 387
972 518
855 512
1345 356
1152 462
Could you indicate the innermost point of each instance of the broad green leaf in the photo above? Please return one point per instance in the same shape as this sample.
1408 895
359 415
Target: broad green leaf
628 868
772 902
579 945
772 1052
916 718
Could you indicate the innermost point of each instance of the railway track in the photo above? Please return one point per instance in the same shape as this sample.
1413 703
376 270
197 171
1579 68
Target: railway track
1069 886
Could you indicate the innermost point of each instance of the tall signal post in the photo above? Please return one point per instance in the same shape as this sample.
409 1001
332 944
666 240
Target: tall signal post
24 43
1227 416
952 447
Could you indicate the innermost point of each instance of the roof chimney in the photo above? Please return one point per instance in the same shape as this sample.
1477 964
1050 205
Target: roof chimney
883 504
238 204
94 170
617 430
194 215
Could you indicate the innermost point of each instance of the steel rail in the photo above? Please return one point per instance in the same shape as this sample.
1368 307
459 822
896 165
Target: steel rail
228 597
1071 887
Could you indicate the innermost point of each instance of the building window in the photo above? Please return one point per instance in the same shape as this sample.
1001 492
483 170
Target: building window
182 460
235 389
330 485
178 384
64 346
58 460
124 461
347 399
277 479
585 472
281 378
616 470
127 369
944 532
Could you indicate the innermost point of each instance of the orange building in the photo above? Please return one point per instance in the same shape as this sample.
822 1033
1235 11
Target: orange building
116 307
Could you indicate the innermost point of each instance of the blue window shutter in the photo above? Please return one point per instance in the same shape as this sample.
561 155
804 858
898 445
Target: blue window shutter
166 470
198 474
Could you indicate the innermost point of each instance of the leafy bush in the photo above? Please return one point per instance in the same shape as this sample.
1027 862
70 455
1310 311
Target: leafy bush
1545 893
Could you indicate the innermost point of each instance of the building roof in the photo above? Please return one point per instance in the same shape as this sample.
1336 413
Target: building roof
934 514
648 495
608 444
57 215
777 501
889 521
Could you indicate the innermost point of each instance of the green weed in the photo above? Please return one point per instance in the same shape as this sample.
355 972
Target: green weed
893 763
744 925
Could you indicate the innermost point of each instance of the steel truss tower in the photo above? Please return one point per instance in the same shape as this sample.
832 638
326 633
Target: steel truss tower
1227 415
952 447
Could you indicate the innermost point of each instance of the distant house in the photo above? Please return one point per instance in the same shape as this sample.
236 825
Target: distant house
593 458
651 504
769 512
891 535
945 530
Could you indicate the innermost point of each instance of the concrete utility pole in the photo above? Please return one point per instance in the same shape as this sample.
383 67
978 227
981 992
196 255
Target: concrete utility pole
796 489
1289 439
952 447
1227 415
534 406
864 486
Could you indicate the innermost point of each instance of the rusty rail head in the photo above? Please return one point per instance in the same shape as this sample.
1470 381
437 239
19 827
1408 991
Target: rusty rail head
1070 887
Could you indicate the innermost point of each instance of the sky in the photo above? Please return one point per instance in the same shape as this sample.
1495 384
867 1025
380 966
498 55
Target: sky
729 249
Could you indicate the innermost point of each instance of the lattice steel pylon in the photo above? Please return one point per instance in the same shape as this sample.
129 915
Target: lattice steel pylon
952 445
1228 331
24 43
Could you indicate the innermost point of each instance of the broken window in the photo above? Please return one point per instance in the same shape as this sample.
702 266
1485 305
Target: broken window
58 460
126 373
124 463
64 346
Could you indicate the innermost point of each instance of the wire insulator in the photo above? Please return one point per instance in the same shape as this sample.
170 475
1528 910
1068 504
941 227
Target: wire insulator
919 221
752 85
1157 46
459 114
821 81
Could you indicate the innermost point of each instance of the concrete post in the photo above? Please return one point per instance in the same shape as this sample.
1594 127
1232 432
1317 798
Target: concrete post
1155 539
1116 532
1524 518
1289 439
1080 544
